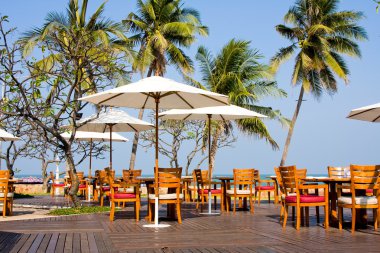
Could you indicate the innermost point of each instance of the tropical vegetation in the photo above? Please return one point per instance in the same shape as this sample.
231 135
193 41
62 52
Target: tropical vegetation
320 35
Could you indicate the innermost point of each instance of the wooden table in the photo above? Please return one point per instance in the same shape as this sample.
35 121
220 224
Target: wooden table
333 196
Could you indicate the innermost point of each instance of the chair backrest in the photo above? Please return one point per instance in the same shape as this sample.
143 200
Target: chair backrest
301 173
289 178
80 175
364 177
169 177
130 176
243 177
105 176
256 174
4 180
336 172
52 175
278 176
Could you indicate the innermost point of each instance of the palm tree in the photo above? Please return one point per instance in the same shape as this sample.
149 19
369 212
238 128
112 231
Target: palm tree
320 35
161 28
237 73
102 36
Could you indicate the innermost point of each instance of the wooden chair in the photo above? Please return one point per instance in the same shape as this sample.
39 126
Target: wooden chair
104 184
130 176
120 193
260 187
363 177
243 188
291 184
201 178
6 192
83 184
56 185
168 179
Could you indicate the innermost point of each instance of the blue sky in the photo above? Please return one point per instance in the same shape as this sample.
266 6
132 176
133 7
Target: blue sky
323 136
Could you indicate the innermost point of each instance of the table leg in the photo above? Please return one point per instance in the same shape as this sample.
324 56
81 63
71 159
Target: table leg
333 203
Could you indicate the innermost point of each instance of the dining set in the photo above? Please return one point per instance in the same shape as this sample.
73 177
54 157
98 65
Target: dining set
355 187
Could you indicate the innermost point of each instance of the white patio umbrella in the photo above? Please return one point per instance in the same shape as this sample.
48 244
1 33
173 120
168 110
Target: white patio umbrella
113 120
94 136
157 93
228 112
367 113
5 136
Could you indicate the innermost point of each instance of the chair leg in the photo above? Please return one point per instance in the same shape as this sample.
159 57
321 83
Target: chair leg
259 198
252 207
112 213
137 210
282 211
285 216
298 221
307 216
374 211
317 211
179 212
293 213
227 204
269 197
340 217
353 220
234 204
150 211
327 216
101 199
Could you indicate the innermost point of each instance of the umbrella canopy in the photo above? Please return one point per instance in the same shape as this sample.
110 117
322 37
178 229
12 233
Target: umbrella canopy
5 136
94 136
157 93
367 113
113 120
171 95
120 121
228 112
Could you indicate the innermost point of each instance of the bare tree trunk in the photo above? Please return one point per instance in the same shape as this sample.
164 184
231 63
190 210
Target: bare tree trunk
74 178
214 146
132 160
291 127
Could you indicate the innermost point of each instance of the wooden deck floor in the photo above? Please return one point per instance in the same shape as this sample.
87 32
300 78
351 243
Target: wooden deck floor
242 232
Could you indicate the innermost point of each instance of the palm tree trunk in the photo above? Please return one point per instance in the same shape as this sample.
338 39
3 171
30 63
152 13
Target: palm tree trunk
291 127
132 160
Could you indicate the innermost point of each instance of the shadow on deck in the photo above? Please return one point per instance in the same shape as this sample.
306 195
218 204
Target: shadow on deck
242 232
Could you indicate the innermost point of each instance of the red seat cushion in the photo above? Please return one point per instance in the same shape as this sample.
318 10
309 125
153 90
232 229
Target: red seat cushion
106 188
266 187
122 195
213 191
369 191
305 199
58 185
82 186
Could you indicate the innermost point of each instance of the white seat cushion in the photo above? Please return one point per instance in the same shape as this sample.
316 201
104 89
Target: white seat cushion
9 195
166 196
362 200
192 187
231 192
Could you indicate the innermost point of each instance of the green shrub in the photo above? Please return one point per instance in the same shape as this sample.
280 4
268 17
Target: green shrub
79 210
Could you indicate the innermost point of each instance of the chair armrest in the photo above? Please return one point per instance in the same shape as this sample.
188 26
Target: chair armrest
319 186
265 180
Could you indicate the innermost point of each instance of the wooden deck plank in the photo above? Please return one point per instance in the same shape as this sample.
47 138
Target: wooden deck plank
44 244
52 243
68 243
28 243
36 243
20 243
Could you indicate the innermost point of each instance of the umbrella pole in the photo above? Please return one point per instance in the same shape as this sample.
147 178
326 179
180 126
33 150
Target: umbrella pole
111 147
157 100
90 167
89 172
209 163
156 190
